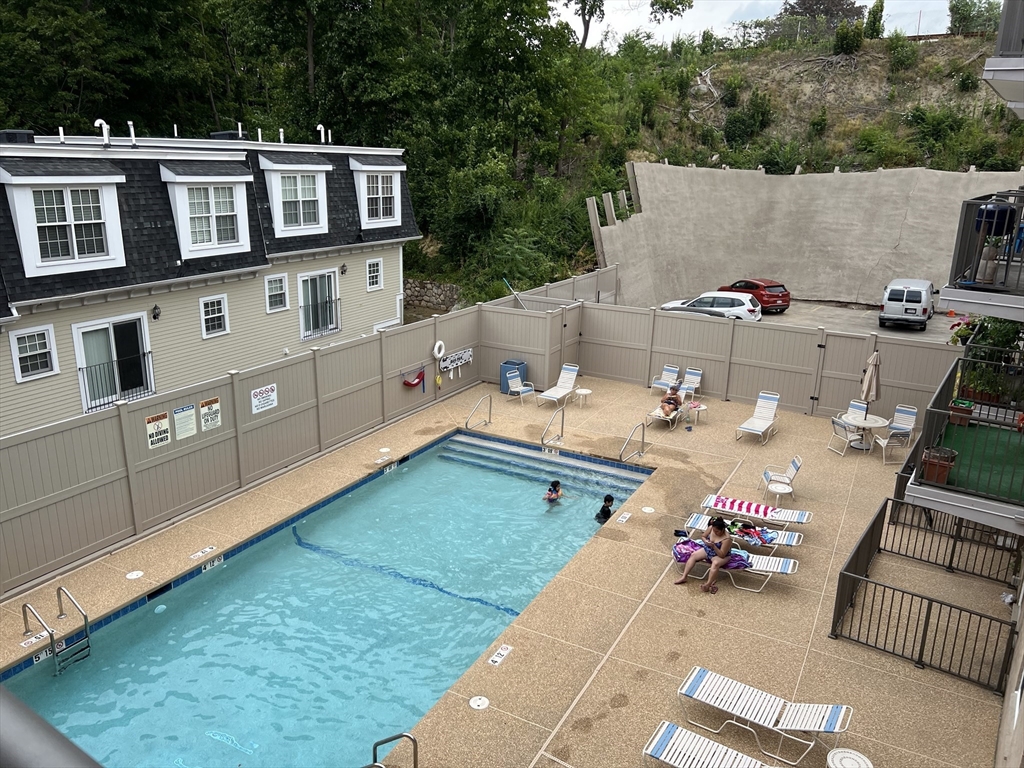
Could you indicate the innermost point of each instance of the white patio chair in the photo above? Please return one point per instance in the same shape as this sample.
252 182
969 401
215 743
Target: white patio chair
891 441
784 475
519 388
858 408
762 423
747 706
844 434
669 376
565 386
691 382
681 748
904 420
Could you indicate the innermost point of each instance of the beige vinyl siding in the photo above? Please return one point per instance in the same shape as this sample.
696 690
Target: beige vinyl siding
180 354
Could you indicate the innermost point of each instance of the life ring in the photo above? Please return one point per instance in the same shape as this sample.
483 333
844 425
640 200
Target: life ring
439 350
416 381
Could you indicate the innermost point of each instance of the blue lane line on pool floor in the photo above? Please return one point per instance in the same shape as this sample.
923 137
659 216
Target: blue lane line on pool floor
388 571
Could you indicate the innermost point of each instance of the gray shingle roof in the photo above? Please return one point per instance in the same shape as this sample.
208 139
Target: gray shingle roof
57 166
295 158
205 168
378 159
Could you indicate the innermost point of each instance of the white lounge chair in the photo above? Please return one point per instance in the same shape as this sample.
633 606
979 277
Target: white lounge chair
519 388
672 419
748 706
681 748
764 566
904 420
669 376
564 388
762 423
754 510
777 474
700 522
844 433
691 382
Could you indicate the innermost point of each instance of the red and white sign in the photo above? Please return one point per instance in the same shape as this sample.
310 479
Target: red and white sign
264 398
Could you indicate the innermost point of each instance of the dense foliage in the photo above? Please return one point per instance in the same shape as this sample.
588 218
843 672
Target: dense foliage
509 119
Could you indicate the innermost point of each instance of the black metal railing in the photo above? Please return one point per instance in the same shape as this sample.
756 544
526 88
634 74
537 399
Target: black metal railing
989 250
320 319
125 378
930 632
969 440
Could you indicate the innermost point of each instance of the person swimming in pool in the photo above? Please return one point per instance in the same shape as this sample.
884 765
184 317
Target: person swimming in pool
605 514
554 492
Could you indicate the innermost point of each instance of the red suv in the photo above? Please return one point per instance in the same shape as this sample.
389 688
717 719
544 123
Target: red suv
772 295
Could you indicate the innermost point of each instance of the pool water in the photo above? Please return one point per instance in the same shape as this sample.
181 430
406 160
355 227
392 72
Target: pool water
340 630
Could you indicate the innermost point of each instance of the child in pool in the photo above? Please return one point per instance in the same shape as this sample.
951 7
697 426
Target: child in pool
606 511
554 492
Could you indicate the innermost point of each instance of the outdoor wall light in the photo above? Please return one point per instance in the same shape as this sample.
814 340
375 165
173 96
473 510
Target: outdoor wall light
344 268
156 311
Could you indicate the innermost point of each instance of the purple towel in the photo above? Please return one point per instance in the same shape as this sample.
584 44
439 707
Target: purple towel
682 550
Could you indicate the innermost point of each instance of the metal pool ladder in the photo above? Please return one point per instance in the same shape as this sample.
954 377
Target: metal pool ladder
388 740
643 442
475 407
68 654
557 439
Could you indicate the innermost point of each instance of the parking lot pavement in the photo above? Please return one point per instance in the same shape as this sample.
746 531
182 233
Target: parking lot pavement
858 319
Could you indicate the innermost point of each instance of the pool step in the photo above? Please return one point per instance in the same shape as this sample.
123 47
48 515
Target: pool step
504 449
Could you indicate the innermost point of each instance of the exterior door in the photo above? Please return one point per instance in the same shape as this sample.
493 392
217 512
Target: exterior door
115 363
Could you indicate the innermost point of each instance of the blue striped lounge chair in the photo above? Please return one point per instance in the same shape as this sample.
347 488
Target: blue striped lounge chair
563 388
762 423
698 522
753 510
762 566
748 706
669 376
681 748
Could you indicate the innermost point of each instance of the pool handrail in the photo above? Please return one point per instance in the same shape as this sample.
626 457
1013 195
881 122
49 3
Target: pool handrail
643 442
487 420
561 431
396 737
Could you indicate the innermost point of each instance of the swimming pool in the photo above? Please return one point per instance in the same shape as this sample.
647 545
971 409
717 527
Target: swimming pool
342 629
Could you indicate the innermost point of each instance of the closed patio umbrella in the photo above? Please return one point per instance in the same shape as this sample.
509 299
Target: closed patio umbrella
869 384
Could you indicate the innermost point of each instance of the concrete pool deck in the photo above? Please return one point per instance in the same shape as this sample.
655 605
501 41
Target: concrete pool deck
599 655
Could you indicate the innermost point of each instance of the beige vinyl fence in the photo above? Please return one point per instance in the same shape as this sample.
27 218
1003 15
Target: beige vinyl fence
80 487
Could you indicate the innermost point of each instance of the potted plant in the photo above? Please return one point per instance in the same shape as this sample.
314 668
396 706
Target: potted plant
960 412
982 384
936 462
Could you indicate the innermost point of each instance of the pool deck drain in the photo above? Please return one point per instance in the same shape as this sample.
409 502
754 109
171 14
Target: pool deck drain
600 653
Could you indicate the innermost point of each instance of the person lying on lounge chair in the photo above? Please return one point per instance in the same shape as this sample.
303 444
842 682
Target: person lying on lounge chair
671 401
716 544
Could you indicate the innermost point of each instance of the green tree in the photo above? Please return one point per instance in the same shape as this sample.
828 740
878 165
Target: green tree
593 10
835 11
875 26
902 52
973 16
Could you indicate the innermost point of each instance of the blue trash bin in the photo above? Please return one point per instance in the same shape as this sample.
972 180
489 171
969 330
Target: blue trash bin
506 367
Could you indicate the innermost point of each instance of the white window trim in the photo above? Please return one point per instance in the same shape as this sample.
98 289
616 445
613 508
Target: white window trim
266 293
19 195
77 329
223 297
380 275
273 172
177 188
364 221
298 301
51 339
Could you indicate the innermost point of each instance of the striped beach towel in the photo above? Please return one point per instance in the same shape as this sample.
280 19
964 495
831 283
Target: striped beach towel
754 509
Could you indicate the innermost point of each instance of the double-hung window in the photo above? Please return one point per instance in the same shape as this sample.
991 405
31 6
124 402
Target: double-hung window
66 215
297 187
214 315
210 207
299 200
319 313
212 219
378 189
33 352
374 274
276 288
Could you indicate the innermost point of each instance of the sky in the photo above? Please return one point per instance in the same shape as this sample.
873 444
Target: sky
622 16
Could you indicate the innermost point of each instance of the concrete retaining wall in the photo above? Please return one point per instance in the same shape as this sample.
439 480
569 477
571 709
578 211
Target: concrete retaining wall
834 236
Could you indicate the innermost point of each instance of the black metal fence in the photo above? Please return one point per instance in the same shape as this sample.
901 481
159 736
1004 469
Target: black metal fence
989 251
930 632
320 319
126 378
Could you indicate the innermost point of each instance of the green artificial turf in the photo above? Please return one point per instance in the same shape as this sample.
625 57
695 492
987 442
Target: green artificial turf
989 460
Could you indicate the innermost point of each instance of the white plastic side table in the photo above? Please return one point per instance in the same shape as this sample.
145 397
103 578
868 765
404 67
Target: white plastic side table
779 489
581 396
847 758
696 412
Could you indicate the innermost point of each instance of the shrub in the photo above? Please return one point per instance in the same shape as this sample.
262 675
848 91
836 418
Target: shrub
902 53
759 110
874 27
707 43
819 123
737 128
731 91
849 38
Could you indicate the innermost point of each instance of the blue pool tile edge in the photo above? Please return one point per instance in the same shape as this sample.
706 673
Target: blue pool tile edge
21 666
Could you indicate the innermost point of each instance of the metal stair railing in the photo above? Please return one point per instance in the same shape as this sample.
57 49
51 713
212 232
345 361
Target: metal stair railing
487 420
77 651
643 442
557 439
25 609
378 744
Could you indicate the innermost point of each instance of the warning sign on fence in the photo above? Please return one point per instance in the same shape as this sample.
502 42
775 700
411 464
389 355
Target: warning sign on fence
158 430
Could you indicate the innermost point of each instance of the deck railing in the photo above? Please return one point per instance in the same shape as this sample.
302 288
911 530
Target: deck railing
930 632
126 378
989 251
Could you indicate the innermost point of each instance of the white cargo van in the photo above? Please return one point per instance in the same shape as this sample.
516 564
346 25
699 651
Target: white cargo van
907 302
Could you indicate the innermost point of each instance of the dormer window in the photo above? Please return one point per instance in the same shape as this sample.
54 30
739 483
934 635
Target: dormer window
65 223
377 178
297 188
210 208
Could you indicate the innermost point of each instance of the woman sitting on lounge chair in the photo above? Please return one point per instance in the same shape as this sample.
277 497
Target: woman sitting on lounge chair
715 546
672 401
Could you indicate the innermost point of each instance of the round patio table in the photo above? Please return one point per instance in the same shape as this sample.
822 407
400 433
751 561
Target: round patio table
865 424
847 758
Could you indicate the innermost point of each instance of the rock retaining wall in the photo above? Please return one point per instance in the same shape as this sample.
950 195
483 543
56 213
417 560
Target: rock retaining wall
427 293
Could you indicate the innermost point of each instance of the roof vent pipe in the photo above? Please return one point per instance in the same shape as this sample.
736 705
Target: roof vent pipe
259 134
175 130
131 132
102 124
239 130
60 132
320 128
329 140
280 134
